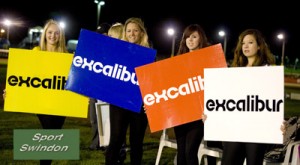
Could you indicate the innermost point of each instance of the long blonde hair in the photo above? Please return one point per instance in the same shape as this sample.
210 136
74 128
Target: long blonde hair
61 45
144 40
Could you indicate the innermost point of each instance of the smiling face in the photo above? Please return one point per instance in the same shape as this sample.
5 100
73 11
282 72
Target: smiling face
193 41
52 35
133 33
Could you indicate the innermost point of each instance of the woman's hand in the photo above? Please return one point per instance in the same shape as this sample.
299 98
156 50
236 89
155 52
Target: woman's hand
4 94
204 117
283 127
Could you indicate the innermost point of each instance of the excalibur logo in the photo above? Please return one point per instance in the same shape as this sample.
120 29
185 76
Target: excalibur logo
251 104
56 82
117 71
194 85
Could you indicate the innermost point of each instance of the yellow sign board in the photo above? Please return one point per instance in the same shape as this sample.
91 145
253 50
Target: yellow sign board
35 83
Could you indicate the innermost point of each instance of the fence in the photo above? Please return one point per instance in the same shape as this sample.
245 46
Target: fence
3 53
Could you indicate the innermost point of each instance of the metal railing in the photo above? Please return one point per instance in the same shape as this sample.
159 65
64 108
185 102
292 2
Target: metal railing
3 53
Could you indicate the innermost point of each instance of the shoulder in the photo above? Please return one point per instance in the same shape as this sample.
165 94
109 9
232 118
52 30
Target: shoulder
37 48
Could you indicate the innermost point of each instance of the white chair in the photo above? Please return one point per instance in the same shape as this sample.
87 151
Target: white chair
292 153
165 142
296 155
293 156
202 152
102 111
209 151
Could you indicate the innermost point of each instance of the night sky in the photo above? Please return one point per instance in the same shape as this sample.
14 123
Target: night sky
211 15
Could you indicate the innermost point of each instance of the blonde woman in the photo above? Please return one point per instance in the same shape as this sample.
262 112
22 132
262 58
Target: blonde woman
52 40
102 29
135 32
116 30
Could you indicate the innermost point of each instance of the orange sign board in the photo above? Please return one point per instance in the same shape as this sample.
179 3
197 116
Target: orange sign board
172 89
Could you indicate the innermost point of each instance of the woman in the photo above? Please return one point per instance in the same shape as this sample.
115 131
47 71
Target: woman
102 29
116 30
134 31
251 50
189 135
52 40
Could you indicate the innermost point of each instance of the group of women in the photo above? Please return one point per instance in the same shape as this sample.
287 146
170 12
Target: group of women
251 50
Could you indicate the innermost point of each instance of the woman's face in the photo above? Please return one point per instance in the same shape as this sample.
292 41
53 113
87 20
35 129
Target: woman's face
193 41
133 33
249 46
52 34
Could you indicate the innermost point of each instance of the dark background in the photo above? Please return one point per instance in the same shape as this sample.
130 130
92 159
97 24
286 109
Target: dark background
269 17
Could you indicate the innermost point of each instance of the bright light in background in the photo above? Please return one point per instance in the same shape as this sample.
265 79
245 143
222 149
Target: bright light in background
99 4
62 24
7 23
280 36
171 32
2 31
222 33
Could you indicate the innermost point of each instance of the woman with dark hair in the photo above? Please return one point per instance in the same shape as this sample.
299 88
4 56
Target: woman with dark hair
190 135
251 50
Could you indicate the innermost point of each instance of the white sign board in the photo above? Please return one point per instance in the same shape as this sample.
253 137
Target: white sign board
244 104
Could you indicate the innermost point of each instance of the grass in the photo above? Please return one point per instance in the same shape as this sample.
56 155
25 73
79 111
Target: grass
12 120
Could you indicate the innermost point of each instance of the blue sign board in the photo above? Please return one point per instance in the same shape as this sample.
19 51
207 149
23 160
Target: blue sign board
103 68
